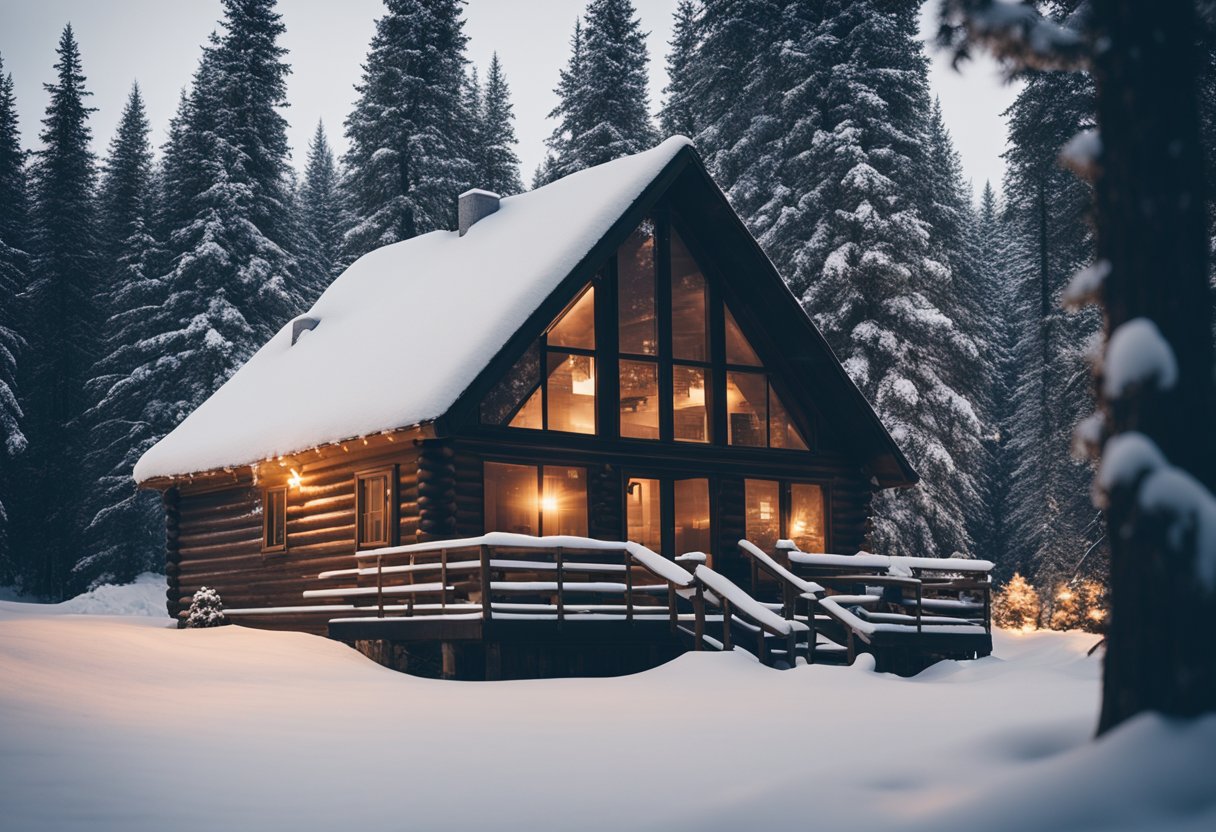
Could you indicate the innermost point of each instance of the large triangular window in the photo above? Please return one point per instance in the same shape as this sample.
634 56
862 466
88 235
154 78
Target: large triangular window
553 385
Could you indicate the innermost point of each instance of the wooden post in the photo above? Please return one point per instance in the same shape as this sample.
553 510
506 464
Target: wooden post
443 580
486 612
673 614
629 589
920 597
561 603
409 603
380 586
791 648
698 614
988 606
811 637
726 641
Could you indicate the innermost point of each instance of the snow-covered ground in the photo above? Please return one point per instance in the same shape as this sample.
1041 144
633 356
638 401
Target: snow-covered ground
124 723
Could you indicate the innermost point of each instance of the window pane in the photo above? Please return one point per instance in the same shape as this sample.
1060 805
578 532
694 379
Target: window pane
763 498
635 290
530 415
746 412
688 327
738 350
643 514
563 505
276 518
782 433
510 498
502 404
640 399
690 404
571 392
373 507
806 517
692 516
576 328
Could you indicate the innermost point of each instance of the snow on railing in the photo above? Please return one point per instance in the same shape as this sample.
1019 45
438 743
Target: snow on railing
868 560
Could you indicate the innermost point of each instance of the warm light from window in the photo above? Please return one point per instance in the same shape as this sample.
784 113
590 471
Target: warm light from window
799 526
582 383
696 393
294 480
548 503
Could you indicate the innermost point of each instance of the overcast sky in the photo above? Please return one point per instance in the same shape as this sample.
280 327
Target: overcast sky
157 43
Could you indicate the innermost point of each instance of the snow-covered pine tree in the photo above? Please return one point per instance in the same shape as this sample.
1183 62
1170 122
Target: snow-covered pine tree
679 114
603 110
970 359
13 268
752 102
868 275
408 131
497 163
569 85
317 204
123 527
62 327
992 231
1016 605
206 609
1052 525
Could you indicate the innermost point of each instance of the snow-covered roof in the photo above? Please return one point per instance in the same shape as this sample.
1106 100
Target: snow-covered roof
457 299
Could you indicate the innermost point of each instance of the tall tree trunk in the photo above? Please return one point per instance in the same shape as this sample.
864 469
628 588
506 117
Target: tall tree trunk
1152 230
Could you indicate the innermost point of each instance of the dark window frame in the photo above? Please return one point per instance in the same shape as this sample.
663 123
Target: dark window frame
391 521
268 547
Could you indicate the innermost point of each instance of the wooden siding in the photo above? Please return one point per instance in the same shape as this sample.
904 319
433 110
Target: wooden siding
215 535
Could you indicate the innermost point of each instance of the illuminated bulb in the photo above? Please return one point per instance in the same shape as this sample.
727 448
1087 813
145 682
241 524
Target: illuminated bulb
1064 595
799 526
548 503
294 479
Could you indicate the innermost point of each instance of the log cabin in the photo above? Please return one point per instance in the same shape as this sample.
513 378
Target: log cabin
609 357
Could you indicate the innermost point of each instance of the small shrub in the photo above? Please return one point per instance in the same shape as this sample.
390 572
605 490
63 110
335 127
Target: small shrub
1016 605
206 609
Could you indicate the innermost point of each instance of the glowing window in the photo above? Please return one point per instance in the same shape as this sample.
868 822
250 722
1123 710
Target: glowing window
763 508
576 328
639 399
274 519
746 409
691 502
636 320
373 508
782 433
643 513
571 392
806 523
689 328
690 403
511 503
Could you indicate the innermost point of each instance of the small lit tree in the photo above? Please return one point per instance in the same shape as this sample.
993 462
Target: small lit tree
1017 605
206 609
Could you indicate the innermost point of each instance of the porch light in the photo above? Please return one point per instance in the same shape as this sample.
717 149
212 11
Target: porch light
294 480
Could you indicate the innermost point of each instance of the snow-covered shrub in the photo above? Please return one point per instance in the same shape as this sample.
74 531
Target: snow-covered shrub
1016 605
206 609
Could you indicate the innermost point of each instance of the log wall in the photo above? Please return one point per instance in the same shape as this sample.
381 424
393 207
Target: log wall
215 533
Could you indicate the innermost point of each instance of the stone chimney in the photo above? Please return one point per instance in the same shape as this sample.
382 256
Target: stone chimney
474 205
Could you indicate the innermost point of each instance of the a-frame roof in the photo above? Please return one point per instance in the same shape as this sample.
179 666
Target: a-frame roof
409 328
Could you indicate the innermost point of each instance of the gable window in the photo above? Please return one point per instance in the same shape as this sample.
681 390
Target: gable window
535 500
793 510
561 398
375 514
274 519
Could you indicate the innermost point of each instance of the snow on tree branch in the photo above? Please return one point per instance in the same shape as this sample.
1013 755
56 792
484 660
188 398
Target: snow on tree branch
1017 34
1137 356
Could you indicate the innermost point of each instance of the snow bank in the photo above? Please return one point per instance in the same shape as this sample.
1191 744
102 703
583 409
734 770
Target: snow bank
454 299
145 596
123 724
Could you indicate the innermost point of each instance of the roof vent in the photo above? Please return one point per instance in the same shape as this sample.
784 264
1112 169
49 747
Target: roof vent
474 205
302 324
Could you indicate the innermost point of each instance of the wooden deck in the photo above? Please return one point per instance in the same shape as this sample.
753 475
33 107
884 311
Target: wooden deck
502 606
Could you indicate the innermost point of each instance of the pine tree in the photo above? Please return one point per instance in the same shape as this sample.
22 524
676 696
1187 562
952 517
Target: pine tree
679 114
992 230
498 164
408 133
603 110
868 275
569 86
1016 606
63 323
13 268
1052 525
318 211
123 527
